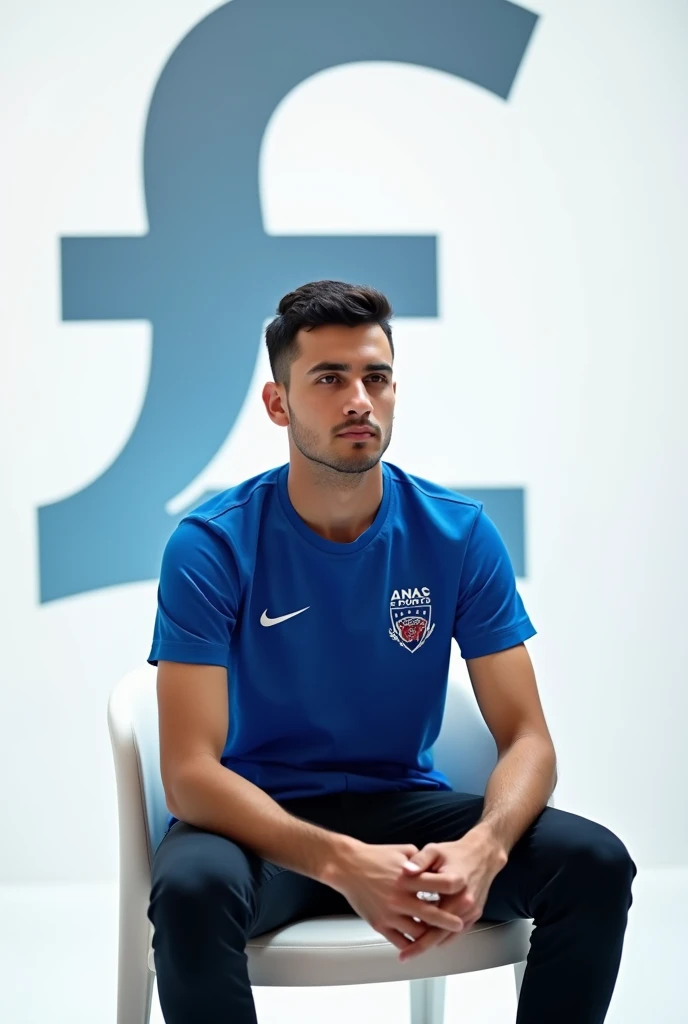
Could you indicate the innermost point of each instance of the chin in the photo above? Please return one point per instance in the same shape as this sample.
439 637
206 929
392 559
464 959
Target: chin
360 462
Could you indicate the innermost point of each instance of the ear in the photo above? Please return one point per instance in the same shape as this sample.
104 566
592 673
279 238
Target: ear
274 399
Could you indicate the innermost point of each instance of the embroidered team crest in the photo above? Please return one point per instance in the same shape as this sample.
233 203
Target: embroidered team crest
411 615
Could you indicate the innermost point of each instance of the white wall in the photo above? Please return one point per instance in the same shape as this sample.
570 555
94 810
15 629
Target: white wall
558 363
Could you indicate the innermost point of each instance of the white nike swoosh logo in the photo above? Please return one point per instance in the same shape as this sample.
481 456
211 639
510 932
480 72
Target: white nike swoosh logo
266 621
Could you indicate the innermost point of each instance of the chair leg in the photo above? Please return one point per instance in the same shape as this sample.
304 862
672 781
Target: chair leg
427 1001
134 979
135 995
519 971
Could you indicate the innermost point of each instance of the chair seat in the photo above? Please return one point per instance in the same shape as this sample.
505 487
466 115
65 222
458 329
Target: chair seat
345 950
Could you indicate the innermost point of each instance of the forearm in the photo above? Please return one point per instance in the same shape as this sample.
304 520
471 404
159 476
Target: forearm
517 791
213 798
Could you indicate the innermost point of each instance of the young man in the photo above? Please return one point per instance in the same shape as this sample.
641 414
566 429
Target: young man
302 641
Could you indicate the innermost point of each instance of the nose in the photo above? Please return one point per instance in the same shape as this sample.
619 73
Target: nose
357 402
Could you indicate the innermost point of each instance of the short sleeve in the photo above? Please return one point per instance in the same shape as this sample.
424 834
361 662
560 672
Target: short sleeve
198 597
489 614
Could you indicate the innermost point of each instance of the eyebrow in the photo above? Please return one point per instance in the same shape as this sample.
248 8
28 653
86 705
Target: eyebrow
346 368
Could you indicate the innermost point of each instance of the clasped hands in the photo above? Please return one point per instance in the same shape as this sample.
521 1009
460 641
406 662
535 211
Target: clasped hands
461 873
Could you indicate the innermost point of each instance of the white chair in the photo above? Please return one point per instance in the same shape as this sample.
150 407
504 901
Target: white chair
337 950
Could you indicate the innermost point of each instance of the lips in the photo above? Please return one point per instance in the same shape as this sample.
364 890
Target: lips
356 433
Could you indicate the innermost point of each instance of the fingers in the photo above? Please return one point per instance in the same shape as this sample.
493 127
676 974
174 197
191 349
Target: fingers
408 849
449 936
403 933
400 930
409 927
433 937
434 916
445 884
412 938
424 859
396 938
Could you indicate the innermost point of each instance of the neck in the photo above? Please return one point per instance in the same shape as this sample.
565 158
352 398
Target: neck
337 506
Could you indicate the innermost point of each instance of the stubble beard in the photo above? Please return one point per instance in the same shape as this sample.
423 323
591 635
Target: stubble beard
307 442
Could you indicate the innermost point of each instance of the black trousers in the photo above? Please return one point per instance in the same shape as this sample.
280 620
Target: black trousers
572 876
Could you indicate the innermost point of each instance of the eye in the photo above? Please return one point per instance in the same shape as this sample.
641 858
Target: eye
327 378
380 378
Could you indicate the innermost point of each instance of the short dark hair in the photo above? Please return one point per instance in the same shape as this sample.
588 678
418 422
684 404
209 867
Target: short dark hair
316 304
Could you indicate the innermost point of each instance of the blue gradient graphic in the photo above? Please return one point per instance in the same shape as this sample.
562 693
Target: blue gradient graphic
206 275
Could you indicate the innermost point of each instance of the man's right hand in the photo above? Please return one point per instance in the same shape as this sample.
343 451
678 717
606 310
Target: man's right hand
369 877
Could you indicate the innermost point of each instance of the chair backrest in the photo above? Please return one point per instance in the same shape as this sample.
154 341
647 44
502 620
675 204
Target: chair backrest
133 725
465 751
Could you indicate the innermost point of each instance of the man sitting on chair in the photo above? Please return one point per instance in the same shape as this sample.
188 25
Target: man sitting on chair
302 639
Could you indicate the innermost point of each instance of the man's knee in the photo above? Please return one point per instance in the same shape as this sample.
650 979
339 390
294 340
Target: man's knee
192 896
602 860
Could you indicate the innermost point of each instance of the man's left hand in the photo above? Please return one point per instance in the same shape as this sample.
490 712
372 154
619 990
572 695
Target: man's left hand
461 872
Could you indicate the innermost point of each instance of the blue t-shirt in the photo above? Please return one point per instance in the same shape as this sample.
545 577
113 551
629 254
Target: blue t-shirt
337 654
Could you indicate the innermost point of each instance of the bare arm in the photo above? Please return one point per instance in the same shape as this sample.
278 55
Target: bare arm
194 716
525 775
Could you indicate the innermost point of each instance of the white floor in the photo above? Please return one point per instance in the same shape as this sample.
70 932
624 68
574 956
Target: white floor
58 963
